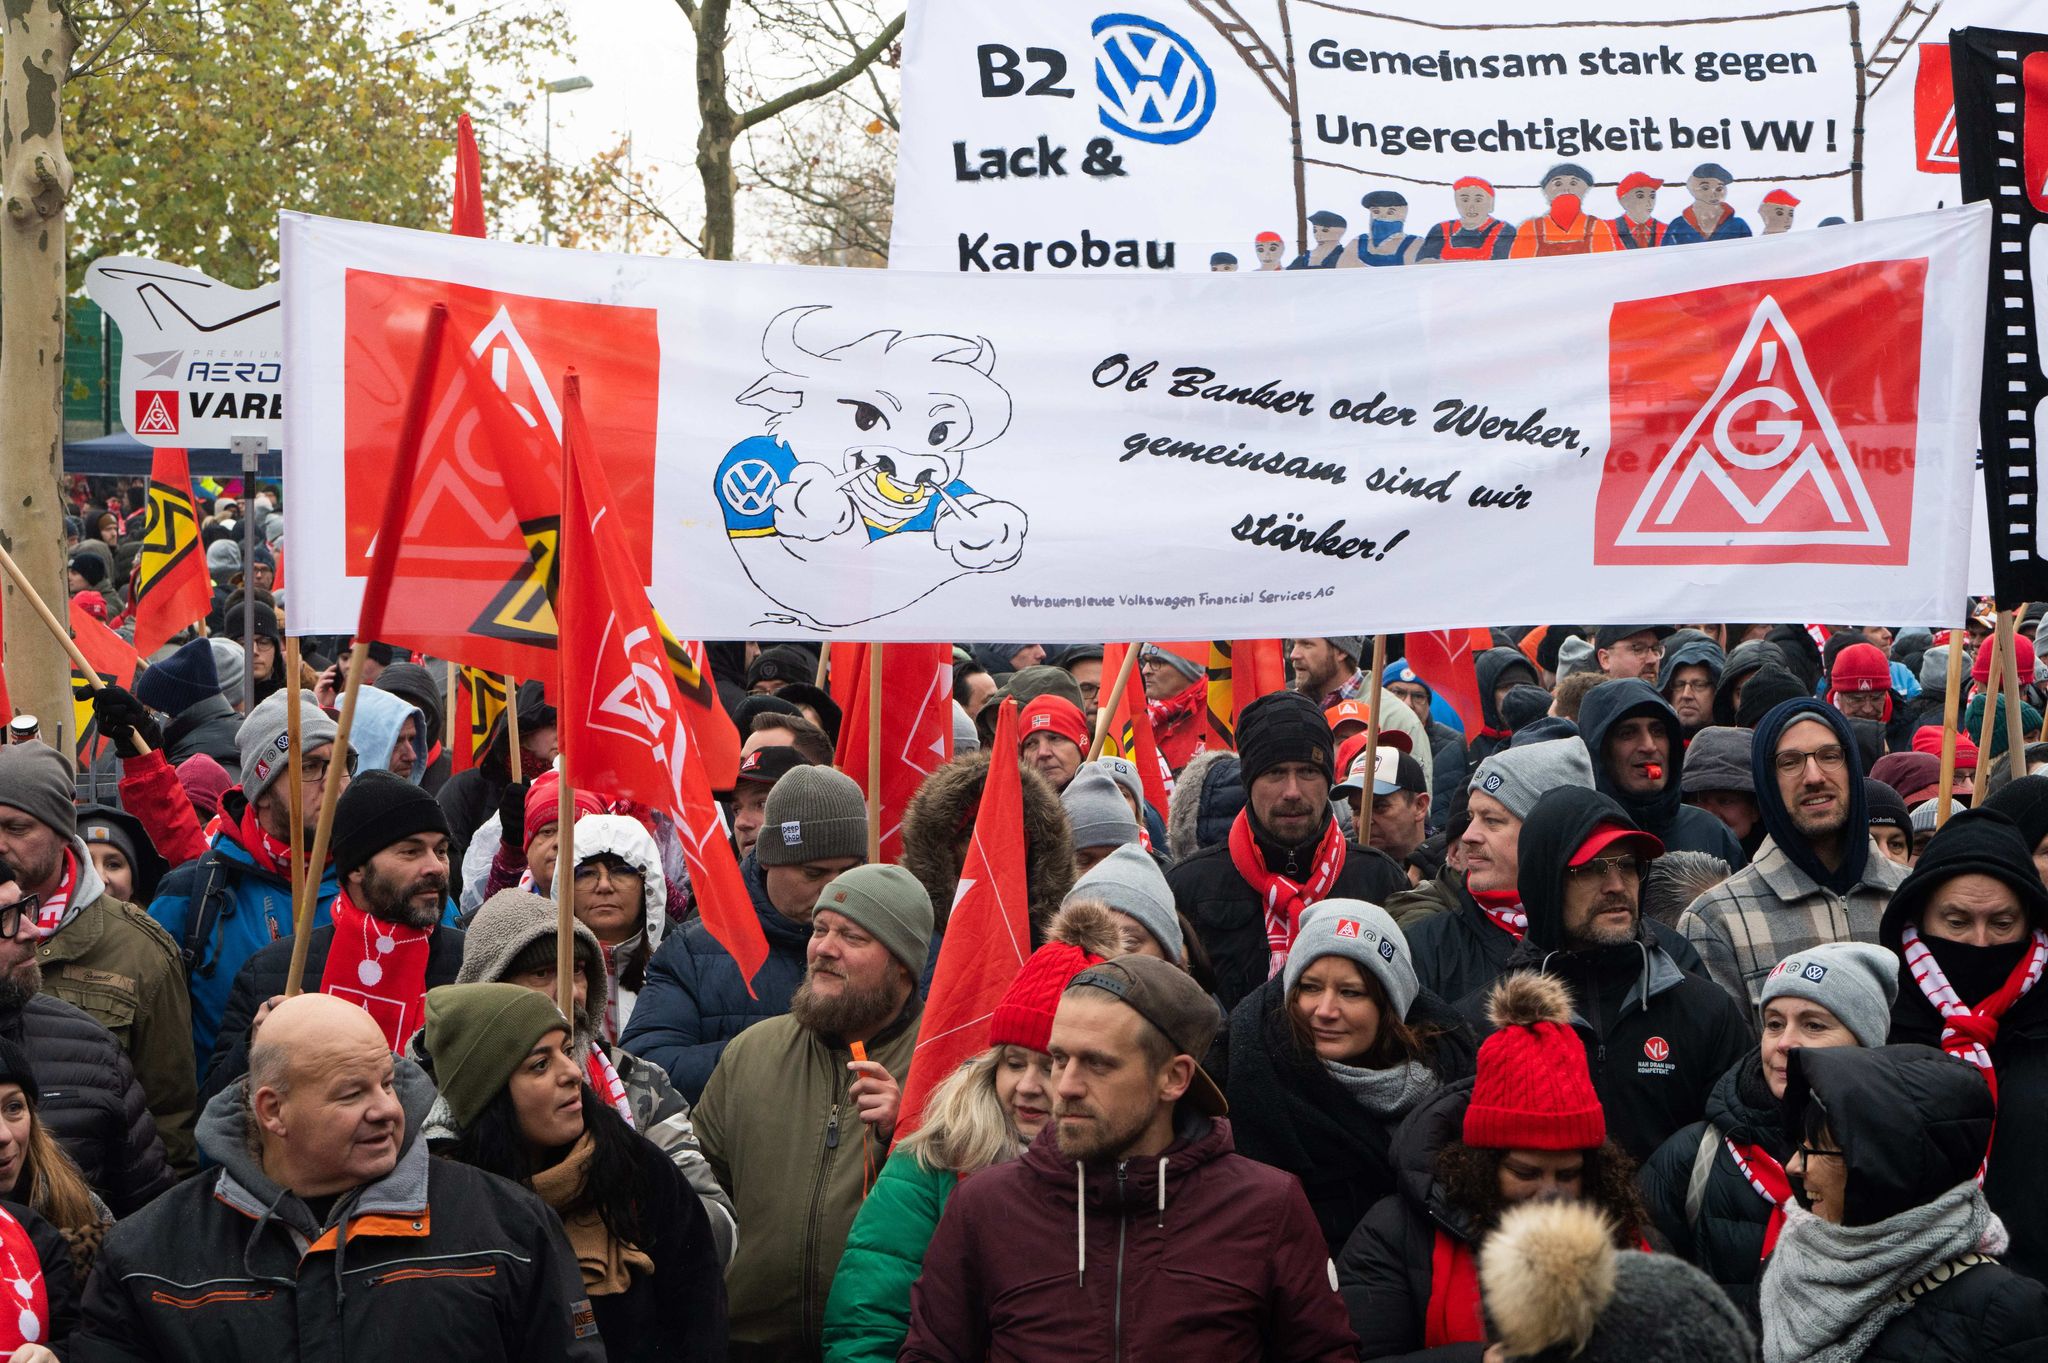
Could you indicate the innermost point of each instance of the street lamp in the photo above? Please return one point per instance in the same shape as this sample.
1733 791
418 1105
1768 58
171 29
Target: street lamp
566 85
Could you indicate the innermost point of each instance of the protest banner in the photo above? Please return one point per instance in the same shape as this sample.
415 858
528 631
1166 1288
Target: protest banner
1782 426
1155 134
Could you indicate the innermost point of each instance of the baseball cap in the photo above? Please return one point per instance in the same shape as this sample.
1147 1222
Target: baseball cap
766 766
1391 770
1352 746
1608 834
1167 997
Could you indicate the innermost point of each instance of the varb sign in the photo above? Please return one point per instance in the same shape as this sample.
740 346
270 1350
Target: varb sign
201 362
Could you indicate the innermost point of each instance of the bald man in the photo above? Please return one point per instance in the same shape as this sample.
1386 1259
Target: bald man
324 1190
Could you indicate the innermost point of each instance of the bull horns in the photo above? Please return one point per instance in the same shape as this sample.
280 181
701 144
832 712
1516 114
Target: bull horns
981 357
779 345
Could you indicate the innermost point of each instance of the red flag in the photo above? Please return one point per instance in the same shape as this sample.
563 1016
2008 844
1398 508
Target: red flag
171 586
1444 658
624 729
1130 730
917 726
988 934
469 182
1240 671
110 656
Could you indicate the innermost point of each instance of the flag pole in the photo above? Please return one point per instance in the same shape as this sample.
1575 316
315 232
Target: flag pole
2015 738
448 710
565 794
370 621
512 750
1951 707
1991 690
62 636
1105 714
875 674
1372 712
824 664
295 793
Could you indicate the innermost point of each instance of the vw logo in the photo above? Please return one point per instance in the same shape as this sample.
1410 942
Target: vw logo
749 487
1154 85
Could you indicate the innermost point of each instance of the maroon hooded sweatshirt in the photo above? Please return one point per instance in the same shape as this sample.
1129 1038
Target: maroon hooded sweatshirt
1199 1254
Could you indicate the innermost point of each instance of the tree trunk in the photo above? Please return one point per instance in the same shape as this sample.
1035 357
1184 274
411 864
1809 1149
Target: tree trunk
718 129
35 184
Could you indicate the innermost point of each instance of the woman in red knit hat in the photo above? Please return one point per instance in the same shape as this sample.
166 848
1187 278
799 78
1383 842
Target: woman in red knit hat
1527 1126
985 1112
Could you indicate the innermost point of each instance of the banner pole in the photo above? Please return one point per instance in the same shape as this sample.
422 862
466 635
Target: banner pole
293 774
1951 707
448 709
1996 645
1105 714
875 675
60 634
565 793
323 832
565 896
513 755
824 664
1372 711
2009 683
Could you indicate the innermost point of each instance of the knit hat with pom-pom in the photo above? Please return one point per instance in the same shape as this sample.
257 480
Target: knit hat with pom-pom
1533 1090
1080 935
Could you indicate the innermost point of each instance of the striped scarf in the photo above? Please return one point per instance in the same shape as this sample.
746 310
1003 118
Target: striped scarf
1767 1177
1968 1033
1282 899
604 1077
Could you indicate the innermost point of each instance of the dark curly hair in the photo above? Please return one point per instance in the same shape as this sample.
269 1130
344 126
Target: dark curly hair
1470 1176
615 1185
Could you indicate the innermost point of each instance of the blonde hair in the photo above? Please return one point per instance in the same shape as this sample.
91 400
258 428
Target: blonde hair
965 1129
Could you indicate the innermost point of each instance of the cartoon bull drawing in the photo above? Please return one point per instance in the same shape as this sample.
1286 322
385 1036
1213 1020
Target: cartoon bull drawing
853 505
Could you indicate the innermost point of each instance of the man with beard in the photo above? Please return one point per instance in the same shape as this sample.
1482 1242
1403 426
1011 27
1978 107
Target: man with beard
799 1113
1110 1236
1817 876
1657 1039
1326 670
98 952
90 1098
385 947
1639 762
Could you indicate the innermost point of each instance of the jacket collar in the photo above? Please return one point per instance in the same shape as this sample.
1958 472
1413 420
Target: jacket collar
1198 1140
192 717
1789 882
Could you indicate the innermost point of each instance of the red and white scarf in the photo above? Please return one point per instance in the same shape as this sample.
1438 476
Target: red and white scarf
1282 899
1767 1177
267 852
1503 908
604 1077
50 913
381 967
22 1270
1967 1032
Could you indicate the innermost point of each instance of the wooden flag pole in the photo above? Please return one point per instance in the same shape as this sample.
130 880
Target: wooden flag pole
513 754
448 710
1996 645
1372 716
875 675
565 791
62 636
2009 683
1105 715
824 664
1951 706
323 831
296 793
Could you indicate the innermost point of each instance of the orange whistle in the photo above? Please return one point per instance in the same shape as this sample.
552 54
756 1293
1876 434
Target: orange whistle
860 1052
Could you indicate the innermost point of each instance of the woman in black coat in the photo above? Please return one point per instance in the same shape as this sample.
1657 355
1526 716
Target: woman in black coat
1325 1060
1892 1254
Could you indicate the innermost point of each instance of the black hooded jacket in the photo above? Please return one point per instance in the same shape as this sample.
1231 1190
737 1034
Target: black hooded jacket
1984 842
1494 668
1771 804
1690 648
1743 661
1657 1039
1990 1314
1679 826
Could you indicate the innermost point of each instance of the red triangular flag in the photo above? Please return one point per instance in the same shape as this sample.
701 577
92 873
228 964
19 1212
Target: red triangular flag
917 726
1444 659
988 934
624 730
110 656
171 586
468 217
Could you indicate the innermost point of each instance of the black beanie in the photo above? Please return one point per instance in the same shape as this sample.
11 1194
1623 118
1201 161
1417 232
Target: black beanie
377 810
1887 807
2025 802
15 1069
1285 726
90 567
1523 705
1767 687
1976 841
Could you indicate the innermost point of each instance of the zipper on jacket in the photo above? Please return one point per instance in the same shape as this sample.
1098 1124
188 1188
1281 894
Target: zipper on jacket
807 1259
1123 1222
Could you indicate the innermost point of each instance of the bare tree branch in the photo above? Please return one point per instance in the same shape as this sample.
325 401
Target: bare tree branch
825 85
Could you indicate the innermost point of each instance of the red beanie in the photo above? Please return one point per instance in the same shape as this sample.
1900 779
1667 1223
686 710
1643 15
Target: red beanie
1861 667
1056 714
1927 738
544 799
1081 934
1980 667
1533 1091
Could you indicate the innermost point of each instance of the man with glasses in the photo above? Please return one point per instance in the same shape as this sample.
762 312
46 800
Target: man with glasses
1817 876
237 899
1625 651
1688 677
1657 1038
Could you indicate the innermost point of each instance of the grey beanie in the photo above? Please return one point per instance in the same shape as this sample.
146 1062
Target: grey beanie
1856 981
1718 759
228 666
888 902
223 556
1097 812
512 920
1924 812
1519 777
1351 644
35 780
1361 932
1934 669
1179 662
1130 882
966 738
1575 655
813 813
265 739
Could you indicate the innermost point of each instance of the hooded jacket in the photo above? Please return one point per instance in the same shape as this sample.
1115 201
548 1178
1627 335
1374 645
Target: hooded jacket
1679 826
208 726
380 716
435 1261
1206 800
91 1101
1656 1038
1200 1253
625 965
1989 1313
1495 668
2015 1182
1788 900
946 803
1292 1115
1743 661
414 683
1690 648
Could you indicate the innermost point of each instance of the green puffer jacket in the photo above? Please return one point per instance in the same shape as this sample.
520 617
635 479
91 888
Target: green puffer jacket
869 1311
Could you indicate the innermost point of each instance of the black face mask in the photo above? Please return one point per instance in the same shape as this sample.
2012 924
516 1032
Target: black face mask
1974 972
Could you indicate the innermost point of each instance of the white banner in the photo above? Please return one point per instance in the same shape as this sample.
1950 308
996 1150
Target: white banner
201 362
1774 429
1154 134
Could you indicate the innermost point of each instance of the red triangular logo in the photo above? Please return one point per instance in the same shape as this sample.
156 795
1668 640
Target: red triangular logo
1762 462
156 412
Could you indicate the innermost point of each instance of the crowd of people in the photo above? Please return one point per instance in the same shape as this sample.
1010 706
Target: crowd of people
1657 1011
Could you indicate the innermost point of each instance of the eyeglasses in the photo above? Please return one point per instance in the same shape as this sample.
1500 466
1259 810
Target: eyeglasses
1630 869
1808 1152
1830 758
313 771
29 906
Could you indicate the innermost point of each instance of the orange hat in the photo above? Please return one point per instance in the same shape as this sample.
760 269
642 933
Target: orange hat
1635 181
1356 711
1781 196
1471 182
1262 238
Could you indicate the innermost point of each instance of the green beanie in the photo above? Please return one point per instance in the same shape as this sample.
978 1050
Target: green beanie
477 1034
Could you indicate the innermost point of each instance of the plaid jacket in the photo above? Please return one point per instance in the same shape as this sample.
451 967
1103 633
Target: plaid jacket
1771 909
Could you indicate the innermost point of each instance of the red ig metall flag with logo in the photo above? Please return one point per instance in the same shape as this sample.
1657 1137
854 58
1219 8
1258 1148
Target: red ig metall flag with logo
624 730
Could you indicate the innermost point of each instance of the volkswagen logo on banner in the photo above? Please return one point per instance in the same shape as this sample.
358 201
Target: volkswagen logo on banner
1154 85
